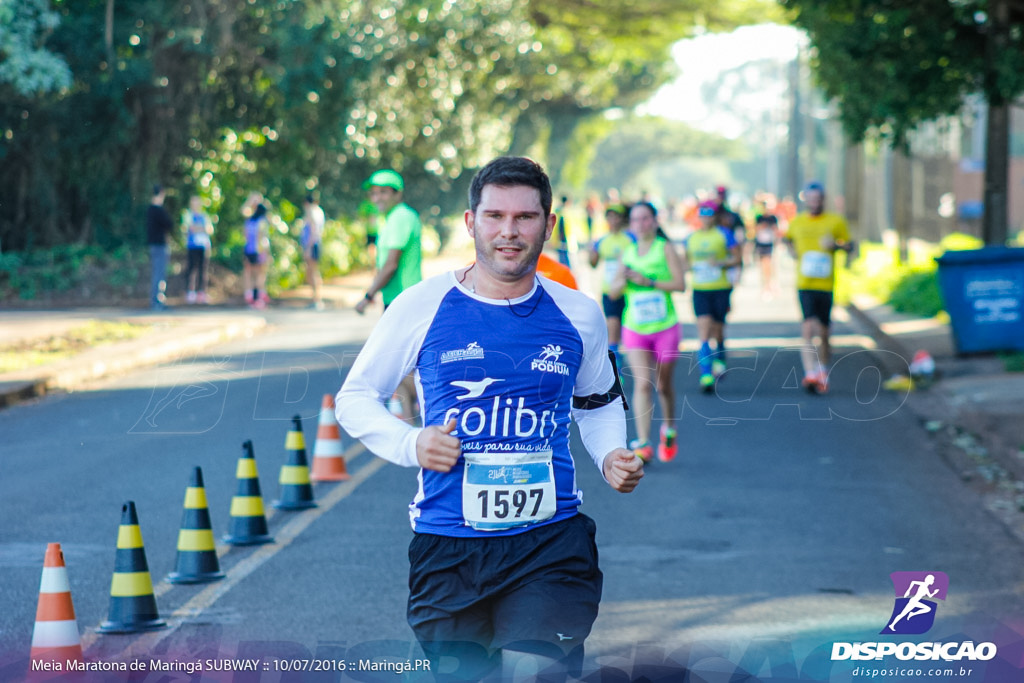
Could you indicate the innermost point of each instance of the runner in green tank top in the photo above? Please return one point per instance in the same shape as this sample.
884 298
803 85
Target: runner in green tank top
652 270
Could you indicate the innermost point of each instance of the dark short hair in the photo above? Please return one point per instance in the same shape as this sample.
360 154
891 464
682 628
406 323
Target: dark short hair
511 172
310 199
157 189
650 207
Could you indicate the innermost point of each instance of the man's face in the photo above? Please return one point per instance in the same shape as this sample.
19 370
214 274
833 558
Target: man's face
815 201
384 198
509 229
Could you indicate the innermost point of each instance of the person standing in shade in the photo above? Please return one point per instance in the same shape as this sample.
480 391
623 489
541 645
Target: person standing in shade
198 227
312 234
815 237
651 271
607 252
710 252
158 228
504 582
399 259
257 251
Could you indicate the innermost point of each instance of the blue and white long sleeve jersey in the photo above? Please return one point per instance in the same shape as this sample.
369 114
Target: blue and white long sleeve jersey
507 372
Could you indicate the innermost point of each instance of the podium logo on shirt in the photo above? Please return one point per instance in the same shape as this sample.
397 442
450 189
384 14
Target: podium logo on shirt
547 360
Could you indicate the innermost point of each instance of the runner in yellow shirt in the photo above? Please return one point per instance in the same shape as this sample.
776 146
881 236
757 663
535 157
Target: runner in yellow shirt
815 237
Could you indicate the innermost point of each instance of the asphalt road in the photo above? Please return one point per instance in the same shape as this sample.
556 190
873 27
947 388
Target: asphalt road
771 537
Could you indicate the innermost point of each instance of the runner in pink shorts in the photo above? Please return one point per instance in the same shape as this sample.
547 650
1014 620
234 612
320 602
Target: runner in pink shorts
652 270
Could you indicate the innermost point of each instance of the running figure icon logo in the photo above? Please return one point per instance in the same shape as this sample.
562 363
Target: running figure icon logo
916 592
547 361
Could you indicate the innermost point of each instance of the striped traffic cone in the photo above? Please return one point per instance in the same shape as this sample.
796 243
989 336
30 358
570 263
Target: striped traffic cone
248 523
328 459
197 555
55 636
296 490
132 603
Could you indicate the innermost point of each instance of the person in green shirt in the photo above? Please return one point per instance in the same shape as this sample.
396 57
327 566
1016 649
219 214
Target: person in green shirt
607 252
399 255
651 270
710 252
399 258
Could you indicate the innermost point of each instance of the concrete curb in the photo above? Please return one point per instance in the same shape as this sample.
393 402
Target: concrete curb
118 358
883 341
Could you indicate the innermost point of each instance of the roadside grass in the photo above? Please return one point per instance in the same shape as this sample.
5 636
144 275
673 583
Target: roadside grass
36 352
911 287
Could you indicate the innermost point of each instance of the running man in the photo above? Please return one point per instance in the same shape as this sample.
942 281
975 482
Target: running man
915 606
651 271
814 238
503 566
399 259
711 251
607 252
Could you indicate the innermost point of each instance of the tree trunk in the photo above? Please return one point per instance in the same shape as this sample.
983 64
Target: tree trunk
997 138
853 182
902 214
997 173
108 34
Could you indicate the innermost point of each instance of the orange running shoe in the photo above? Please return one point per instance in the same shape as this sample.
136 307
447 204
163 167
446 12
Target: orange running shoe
668 447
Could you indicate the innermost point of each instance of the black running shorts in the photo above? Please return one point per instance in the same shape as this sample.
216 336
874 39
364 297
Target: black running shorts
535 592
715 303
613 308
816 304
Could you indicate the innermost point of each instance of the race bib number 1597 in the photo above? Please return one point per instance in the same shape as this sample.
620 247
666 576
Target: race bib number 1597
506 490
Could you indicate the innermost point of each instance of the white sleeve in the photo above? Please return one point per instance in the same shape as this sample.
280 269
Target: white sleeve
388 355
602 428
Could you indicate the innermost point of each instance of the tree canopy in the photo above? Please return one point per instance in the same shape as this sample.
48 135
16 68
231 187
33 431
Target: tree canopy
893 64
222 97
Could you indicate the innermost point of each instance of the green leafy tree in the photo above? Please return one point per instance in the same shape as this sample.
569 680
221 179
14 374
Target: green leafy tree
642 141
222 97
893 64
26 66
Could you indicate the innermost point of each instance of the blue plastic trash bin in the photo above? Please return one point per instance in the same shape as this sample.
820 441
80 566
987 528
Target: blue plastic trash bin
983 290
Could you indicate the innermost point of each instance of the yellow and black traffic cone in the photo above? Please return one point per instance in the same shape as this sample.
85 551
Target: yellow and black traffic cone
328 458
248 523
197 554
55 637
132 603
296 489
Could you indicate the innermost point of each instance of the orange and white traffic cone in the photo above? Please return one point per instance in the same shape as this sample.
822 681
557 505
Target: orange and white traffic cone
55 637
296 489
328 458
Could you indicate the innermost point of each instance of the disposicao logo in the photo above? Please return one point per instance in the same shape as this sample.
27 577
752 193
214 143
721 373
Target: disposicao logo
912 614
916 593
